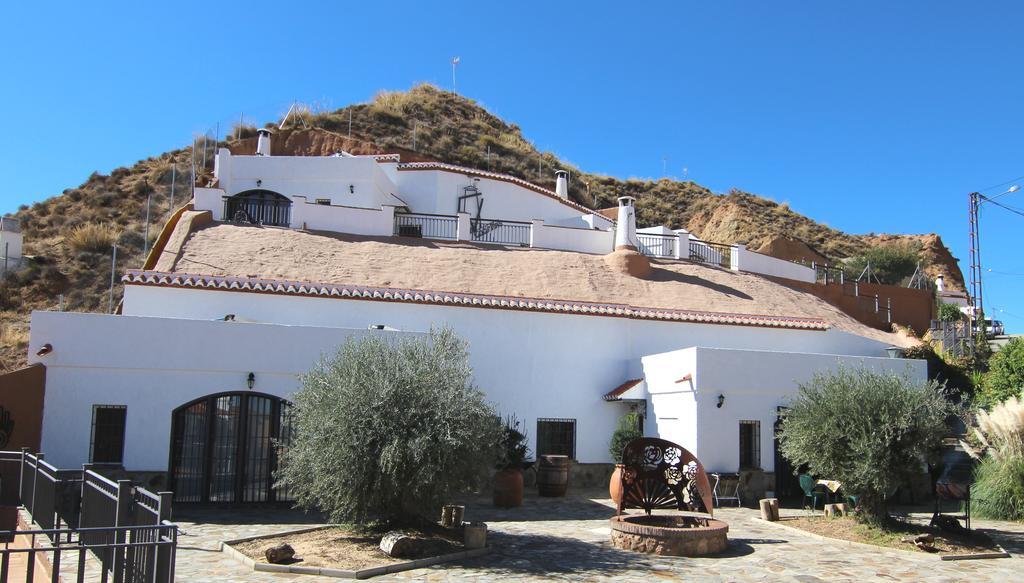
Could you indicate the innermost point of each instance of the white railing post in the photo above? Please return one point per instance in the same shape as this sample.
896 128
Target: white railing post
463 230
735 251
298 212
535 226
683 245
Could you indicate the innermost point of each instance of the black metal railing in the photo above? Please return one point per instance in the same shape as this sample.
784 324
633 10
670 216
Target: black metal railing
500 232
714 253
258 211
654 245
124 526
66 553
426 226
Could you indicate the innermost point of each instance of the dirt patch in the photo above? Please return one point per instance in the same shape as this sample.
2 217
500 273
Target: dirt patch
341 548
893 535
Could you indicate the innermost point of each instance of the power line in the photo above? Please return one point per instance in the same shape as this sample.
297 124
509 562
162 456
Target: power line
1007 207
994 186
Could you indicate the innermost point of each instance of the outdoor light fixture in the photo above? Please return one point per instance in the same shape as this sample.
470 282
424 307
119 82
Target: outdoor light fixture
352 188
721 401
895 352
251 380
46 349
259 183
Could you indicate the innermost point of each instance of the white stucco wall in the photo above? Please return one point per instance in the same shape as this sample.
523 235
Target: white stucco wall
379 222
757 263
350 181
154 365
10 243
754 383
577 239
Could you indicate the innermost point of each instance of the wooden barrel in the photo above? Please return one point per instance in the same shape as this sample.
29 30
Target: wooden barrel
552 475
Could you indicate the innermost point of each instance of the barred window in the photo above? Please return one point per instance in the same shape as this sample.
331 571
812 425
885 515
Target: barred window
556 437
323 201
107 444
750 445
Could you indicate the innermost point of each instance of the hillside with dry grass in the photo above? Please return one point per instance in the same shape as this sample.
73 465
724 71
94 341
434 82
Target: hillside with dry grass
69 236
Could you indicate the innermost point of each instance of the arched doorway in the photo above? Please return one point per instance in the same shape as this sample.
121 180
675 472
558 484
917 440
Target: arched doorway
258 207
223 448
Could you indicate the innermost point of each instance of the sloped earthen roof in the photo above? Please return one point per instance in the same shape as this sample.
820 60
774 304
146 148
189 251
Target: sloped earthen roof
493 276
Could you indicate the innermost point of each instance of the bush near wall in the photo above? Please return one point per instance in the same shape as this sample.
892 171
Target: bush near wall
388 429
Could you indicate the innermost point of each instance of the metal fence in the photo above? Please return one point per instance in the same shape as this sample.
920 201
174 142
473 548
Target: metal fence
500 232
127 528
58 545
954 338
714 253
426 226
654 245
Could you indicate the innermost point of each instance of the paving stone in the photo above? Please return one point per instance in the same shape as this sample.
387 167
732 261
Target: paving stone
566 539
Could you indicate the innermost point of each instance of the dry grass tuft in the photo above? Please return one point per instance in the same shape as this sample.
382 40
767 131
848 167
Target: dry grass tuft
1002 428
92 237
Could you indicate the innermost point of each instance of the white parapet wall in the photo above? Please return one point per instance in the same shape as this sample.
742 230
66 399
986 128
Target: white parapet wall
210 199
746 260
342 219
546 236
10 239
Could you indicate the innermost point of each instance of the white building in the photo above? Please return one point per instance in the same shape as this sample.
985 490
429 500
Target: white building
193 376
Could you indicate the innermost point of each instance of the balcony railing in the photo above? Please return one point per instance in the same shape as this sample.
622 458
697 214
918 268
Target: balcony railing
654 245
713 253
426 226
500 232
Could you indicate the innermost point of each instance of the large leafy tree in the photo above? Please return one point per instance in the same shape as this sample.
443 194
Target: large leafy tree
1005 377
387 428
869 430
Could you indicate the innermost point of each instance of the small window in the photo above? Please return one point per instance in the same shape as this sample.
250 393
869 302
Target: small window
750 445
556 437
107 445
324 201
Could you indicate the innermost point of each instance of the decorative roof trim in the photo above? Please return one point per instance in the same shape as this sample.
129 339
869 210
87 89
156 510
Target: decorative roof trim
387 157
497 176
616 393
361 292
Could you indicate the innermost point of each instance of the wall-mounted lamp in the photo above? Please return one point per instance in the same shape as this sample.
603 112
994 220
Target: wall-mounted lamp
721 401
352 188
46 349
259 183
251 380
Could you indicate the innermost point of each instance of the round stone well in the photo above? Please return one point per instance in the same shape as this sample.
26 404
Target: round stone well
677 535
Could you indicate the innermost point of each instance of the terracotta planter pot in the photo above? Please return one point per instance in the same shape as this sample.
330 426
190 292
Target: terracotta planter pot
508 488
615 484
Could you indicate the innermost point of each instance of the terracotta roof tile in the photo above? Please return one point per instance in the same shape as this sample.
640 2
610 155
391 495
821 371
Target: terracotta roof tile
616 393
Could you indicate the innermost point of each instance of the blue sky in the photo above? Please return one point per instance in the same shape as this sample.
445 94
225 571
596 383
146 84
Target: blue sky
868 116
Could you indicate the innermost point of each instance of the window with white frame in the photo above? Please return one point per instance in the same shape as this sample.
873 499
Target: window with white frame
750 445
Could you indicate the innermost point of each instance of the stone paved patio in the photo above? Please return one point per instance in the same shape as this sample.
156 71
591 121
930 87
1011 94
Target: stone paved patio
568 540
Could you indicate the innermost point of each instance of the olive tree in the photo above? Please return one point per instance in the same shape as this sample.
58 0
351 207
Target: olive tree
388 427
869 430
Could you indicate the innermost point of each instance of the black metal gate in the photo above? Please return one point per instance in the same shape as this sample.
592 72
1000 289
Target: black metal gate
223 448
258 207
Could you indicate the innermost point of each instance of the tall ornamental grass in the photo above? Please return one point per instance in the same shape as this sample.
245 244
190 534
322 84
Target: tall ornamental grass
998 490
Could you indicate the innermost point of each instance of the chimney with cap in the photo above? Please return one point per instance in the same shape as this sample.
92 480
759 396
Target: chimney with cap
263 142
562 184
625 229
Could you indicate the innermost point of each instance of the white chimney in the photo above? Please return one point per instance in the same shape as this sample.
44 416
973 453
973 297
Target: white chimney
263 142
562 184
625 230
940 283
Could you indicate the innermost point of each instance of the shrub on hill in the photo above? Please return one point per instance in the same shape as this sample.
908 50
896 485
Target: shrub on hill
890 264
871 431
92 238
387 428
950 312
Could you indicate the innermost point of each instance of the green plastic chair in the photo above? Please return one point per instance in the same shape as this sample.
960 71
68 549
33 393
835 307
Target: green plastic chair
807 485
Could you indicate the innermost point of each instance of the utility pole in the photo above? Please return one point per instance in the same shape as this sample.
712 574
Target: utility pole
350 122
975 244
174 168
145 241
113 271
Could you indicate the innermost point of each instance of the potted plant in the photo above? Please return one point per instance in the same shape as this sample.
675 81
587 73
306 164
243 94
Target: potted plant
508 480
627 430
